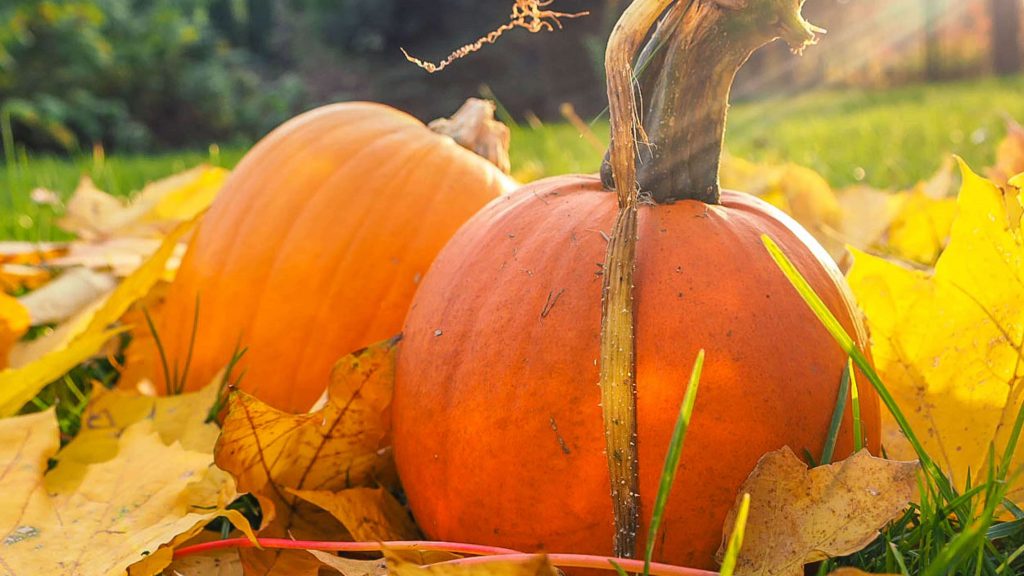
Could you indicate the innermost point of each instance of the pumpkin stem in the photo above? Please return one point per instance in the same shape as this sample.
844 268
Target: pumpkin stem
672 154
474 128
693 57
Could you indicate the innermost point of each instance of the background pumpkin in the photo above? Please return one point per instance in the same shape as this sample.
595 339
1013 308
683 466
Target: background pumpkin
498 423
318 241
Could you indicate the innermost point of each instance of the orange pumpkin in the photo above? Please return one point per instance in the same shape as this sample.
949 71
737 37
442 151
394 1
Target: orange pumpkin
498 427
318 241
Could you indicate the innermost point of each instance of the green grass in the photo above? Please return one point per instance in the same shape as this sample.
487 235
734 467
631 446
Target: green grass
889 139
120 175
896 137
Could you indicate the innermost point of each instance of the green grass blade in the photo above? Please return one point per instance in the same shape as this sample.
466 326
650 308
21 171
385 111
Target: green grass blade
858 430
732 552
618 569
675 451
837 418
900 560
845 341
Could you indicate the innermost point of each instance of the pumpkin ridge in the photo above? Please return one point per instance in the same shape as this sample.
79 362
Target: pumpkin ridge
418 156
427 213
282 255
259 284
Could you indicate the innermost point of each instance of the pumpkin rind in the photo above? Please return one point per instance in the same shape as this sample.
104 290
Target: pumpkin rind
498 428
316 246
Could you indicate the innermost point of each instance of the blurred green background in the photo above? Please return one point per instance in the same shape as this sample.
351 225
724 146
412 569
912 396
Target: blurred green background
130 90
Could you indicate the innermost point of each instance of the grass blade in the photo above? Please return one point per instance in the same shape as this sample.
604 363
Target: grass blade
837 418
675 451
858 431
845 341
732 552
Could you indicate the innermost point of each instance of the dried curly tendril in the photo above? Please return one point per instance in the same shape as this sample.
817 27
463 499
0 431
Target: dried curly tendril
529 14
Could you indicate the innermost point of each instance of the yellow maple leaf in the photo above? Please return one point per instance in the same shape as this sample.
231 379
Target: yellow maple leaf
181 419
948 344
1009 154
867 215
14 322
15 278
798 516
920 230
368 514
35 364
350 567
1018 181
345 444
112 516
223 562
799 191
537 565
95 215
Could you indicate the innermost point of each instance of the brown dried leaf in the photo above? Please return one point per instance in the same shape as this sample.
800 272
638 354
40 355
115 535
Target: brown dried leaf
799 516
346 444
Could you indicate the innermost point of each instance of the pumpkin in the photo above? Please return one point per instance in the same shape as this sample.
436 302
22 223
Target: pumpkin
499 434
318 241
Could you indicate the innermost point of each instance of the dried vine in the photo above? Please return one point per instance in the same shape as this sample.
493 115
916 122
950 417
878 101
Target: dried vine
531 15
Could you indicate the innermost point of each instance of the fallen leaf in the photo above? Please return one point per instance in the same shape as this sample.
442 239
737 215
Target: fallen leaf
350 567
44 197
119 256
799 191
30 253
102 314
181 419
17 278
216 563
69 294
18 386
920 230
368 514
1009 154
95 215
115 515
15 320
344 445
493 566
222 562
867 215
948 344
799 516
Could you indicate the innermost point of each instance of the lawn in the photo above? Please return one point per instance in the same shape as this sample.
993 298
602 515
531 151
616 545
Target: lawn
889 139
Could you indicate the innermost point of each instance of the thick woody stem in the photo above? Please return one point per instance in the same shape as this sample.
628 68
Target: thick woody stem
672 153
474 128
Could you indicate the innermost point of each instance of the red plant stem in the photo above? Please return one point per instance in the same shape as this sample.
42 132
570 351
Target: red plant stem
483 553
288 544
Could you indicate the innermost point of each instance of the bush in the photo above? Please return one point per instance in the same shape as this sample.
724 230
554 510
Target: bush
130 74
